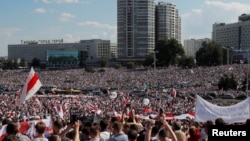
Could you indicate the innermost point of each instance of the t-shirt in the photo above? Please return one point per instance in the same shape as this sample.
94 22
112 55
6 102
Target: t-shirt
104 136
119 137
39 139
22 137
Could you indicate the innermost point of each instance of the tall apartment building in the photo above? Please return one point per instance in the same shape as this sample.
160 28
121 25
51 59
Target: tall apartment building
135 28
140 23
167 22
191 46
235 35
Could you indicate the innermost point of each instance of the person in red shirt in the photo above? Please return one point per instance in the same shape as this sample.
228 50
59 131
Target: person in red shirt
194 134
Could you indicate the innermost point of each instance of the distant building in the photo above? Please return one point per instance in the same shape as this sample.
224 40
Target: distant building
113 51
167 22
191 46
95 50
235 35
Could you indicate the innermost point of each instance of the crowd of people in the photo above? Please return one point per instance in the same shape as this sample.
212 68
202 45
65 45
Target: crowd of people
198 80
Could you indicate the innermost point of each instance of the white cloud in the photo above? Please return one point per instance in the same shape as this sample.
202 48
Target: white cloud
69 38
47 1
198 22
66 17
240 7
197 11
97 25
6 35
40 10
66 1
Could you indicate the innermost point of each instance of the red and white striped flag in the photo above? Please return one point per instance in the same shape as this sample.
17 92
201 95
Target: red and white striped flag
90 106
59 110
124 101
174 93
38 101
31 86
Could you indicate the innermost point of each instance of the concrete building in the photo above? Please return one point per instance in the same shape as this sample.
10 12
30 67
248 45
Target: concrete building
235 35
191 46
95 48
113 50
167 22
135 28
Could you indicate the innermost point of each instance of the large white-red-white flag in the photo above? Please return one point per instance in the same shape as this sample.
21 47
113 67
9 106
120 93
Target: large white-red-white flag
31 86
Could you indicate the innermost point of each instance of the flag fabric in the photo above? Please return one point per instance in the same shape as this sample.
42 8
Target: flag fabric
27 127
124 101
31 86
174 93
59 110
90 106
38 101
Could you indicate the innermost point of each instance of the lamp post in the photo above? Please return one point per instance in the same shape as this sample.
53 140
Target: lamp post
227 53
156 51
247 70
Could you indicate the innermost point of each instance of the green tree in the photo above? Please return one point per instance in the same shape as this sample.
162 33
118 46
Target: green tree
187 62
168 50
210 54
89 69
82 57
15 64
22 62
130 65
103 62
35 62
149 60
7 64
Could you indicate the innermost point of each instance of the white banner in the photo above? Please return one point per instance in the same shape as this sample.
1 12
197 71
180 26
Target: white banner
205 110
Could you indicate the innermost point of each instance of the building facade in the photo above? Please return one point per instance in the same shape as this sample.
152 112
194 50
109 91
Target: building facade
234 35
135 28
191 46
95 49
167 22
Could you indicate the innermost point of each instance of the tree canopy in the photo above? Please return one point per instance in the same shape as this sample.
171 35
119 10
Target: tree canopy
168 50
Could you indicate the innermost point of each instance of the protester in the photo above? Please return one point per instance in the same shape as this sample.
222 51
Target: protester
12 129
40 130
169 91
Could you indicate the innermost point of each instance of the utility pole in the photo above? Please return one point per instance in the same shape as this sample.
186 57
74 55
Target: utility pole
155 59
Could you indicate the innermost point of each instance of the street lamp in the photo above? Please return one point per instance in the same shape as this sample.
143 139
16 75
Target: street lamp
227 48
156 51
247 69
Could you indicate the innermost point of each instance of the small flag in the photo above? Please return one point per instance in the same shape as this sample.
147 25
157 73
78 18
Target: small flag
31 86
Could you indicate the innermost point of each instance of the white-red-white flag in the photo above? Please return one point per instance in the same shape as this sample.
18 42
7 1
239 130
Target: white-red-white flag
31 86
90 106
38 101
174 93
59 110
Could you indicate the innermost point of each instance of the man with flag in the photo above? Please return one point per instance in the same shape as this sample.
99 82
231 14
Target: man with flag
31 86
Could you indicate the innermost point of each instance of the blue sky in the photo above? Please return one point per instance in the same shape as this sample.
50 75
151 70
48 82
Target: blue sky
75 20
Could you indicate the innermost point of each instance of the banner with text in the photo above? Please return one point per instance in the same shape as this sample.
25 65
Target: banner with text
205 110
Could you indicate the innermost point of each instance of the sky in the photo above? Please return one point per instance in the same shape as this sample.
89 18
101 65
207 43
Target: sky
75 20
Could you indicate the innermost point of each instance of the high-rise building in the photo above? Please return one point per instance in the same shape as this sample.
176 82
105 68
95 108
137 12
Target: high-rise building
191 46
234 35
167 22
135 28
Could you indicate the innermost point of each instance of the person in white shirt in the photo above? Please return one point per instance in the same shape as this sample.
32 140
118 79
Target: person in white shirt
40 130
104 134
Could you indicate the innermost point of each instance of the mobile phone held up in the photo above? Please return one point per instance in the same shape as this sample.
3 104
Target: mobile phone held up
74 115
